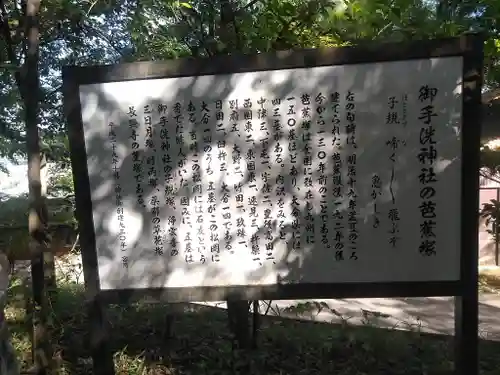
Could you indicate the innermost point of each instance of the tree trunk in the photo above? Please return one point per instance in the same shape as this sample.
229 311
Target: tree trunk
38 217
49 257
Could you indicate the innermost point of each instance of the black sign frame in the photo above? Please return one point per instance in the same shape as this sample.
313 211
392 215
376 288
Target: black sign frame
465 290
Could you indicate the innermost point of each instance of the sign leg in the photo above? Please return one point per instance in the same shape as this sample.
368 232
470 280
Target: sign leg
102 356
466 334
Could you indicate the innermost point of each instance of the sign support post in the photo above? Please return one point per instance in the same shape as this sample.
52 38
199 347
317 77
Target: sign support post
467 304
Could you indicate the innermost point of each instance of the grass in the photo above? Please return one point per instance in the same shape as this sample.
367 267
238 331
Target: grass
201 344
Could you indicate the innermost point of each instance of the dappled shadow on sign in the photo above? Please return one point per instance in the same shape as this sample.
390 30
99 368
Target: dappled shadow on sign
374 259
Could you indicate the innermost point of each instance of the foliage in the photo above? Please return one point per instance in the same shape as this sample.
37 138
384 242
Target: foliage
168 29
72 32
60 180
491 212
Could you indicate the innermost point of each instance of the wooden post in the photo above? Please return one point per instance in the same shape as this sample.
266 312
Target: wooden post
102 355
466 304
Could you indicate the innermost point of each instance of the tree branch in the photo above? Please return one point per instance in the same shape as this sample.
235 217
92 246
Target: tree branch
14 135
306 14
104 37
228 16
201 35
52 92
249 5
488 176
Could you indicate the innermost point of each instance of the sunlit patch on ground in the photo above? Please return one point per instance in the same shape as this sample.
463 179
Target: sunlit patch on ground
489 281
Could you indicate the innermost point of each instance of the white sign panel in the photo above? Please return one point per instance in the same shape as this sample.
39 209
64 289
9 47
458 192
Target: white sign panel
316 175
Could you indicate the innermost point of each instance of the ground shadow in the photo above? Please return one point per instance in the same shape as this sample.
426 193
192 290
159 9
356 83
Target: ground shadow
202 344
429 314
